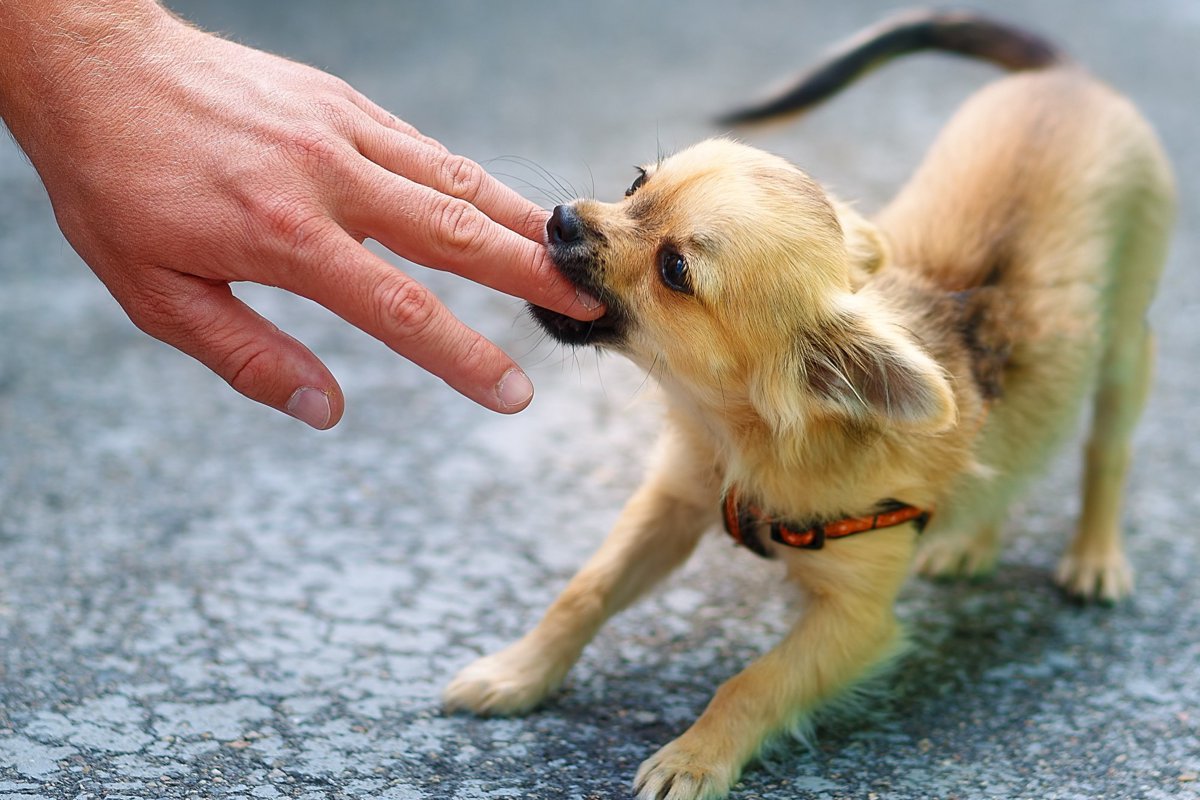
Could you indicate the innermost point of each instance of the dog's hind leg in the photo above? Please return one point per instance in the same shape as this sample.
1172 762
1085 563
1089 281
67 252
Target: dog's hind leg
656 532
1095 567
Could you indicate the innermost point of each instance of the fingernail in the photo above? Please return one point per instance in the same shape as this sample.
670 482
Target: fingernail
311 406
514 389
586 300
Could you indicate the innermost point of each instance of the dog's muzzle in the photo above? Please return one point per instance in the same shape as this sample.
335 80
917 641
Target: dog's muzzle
573 250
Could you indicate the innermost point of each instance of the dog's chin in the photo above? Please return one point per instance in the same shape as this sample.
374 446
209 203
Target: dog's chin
599 332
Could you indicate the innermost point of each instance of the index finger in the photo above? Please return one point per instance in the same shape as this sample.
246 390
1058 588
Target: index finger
441 231
456 176
452 236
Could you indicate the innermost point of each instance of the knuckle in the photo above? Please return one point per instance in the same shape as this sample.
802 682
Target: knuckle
335 110
288 219
181 313
153 310
317 148
406 308
535 221
477 355
463 178
246 367
160 311
459 225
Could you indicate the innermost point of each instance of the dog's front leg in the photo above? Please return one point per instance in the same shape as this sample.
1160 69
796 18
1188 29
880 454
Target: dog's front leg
656 532
848 630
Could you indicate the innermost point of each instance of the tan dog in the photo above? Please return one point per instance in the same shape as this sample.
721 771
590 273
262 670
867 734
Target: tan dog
829 376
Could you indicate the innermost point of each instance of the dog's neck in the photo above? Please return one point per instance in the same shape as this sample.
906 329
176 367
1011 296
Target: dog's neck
825 467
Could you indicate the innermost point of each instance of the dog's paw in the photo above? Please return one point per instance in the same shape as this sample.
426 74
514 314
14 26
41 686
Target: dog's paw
682 771
957 558
1096 577
512 681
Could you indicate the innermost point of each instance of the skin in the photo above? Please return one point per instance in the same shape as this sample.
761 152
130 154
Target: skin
178 163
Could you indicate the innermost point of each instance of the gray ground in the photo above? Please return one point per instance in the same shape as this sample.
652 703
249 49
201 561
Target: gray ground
199 597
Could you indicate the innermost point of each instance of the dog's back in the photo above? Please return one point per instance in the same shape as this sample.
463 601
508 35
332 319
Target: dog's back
1045 206
1033 168
1037 225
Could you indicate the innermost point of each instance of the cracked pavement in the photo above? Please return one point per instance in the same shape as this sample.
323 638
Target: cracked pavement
201 598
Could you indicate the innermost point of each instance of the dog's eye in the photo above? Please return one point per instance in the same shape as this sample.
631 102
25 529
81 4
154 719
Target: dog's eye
637 182
674 271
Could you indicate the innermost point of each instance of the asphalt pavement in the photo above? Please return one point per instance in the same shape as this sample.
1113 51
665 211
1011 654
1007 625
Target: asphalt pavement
202 598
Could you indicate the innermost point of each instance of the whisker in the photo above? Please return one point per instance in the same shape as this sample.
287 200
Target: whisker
547 184
534 339
566 191
545 195
599 373
649 374
592 179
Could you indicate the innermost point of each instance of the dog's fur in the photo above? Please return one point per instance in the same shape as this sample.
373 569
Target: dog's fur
822 362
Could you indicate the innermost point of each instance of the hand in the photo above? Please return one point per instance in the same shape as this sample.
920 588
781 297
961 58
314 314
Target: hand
178 162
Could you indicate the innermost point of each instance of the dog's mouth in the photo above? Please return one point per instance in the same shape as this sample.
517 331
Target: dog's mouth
572 247
567 330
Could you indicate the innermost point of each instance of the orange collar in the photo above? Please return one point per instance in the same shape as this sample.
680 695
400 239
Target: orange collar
743 519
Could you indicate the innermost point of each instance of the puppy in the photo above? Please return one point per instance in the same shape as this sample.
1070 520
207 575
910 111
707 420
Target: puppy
852 397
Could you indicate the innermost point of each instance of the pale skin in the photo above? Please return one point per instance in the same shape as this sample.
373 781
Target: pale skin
179 163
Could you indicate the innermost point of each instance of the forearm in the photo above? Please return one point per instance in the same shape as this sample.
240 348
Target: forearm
62 55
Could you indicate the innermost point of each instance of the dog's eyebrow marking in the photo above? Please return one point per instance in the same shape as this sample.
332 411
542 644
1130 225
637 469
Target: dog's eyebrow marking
705 242
646 212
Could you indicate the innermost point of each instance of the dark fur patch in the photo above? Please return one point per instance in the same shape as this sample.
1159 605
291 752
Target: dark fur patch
989 348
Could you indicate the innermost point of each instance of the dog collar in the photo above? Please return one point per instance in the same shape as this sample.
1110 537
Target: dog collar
742 519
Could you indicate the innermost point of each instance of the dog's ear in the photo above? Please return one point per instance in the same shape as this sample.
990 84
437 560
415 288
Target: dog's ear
862 366
857 367
866 245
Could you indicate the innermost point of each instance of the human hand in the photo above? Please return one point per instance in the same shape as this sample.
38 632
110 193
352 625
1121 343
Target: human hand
178 162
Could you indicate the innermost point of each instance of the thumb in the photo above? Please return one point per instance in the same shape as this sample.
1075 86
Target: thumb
205 320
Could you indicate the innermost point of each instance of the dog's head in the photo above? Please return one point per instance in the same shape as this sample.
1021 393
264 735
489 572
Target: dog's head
732 276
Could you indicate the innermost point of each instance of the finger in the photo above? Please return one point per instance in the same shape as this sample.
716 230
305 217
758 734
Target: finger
391 121
376 297
439 230
206 321
456 176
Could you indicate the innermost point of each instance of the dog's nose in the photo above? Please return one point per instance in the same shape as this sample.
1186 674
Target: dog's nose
564 226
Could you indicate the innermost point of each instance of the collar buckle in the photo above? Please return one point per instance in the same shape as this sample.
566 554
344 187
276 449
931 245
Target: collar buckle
811 538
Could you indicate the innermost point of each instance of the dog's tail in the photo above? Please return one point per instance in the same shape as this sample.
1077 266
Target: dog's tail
965 33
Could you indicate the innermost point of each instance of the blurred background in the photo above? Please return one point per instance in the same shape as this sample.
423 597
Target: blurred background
201 597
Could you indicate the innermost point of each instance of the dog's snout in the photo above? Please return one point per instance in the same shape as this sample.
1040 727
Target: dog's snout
564 226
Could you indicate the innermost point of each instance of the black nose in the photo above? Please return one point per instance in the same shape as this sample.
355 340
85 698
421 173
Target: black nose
564 226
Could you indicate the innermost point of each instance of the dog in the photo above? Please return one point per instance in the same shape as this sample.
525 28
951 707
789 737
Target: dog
857 397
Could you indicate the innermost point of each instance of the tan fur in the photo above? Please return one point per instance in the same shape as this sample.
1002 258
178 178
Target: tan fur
825 362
